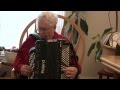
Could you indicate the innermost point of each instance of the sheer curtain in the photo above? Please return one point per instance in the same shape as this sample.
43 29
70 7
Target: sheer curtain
12 23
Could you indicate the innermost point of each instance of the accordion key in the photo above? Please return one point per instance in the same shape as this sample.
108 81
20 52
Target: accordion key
48 58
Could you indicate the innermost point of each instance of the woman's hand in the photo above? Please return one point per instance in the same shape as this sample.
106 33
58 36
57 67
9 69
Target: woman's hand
70 72
26 70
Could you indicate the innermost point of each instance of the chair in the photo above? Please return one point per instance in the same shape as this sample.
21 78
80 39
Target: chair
102 73
80 38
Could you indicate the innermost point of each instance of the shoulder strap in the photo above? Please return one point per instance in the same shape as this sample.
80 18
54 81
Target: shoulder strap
35 35
32 50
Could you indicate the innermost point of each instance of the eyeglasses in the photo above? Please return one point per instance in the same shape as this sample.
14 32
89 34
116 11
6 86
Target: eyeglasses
43 29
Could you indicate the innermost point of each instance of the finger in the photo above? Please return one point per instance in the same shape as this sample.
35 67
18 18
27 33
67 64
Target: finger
26 73
70 73
69 76
72 69
69 69
63 69
27 68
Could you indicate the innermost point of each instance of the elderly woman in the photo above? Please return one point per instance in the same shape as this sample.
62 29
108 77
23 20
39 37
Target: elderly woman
47 22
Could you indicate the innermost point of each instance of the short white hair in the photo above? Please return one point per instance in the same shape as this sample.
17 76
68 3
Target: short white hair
49 18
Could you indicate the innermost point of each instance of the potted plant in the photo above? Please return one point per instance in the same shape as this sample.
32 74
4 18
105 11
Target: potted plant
97 45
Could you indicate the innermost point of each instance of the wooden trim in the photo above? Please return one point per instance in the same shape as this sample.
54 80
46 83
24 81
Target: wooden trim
24 31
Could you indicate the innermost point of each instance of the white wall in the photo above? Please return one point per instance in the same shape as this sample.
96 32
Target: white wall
12 24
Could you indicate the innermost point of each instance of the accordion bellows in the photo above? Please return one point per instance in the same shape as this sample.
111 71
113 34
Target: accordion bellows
48 58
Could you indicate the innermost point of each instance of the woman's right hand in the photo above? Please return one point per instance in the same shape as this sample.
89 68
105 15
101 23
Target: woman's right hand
26 70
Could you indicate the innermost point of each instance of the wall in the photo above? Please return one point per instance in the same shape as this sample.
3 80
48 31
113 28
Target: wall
119 21
97 21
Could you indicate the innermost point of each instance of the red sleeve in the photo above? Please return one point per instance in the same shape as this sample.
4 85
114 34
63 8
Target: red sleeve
23 54
74 62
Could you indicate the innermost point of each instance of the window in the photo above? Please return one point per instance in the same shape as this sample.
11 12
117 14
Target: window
12 23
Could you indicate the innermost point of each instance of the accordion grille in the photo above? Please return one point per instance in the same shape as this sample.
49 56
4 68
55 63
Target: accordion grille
65 56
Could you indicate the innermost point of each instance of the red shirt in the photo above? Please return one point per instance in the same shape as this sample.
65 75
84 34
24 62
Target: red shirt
23 53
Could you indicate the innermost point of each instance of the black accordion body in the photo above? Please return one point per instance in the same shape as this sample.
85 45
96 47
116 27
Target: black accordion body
48 58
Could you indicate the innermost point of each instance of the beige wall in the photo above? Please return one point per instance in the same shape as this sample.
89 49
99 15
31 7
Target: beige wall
119 21
97 22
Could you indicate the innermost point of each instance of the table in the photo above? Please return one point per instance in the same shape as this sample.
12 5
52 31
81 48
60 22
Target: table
112 62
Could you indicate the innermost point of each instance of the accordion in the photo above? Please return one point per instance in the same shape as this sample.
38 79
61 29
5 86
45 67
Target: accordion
49 57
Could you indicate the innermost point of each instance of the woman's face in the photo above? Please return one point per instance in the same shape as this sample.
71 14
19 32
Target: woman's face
45 31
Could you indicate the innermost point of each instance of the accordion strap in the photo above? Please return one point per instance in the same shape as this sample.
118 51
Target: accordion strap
35 35
32 50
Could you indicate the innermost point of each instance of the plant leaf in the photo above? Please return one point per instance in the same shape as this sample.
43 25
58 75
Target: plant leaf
106 31
65 21
69 30
97 36
98 54
76 21
75 36
91 48
98 45
99 50
94 37
84 26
